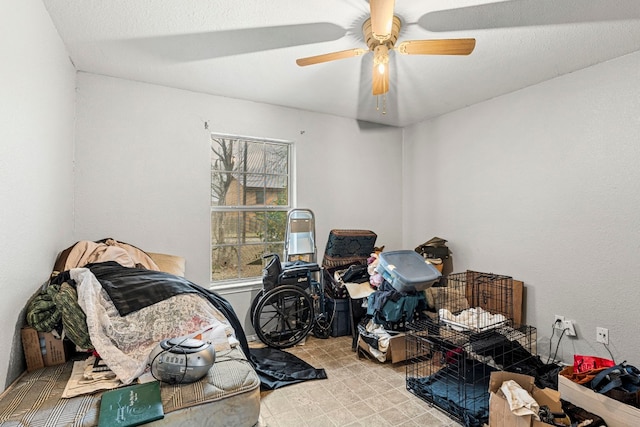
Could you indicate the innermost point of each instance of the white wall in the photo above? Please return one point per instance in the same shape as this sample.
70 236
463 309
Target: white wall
542 185
37 83
142 162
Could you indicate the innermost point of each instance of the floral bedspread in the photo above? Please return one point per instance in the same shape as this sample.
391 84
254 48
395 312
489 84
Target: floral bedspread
125 342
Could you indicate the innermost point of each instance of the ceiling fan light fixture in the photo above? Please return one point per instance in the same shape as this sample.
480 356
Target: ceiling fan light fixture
381 57
380 76
380 33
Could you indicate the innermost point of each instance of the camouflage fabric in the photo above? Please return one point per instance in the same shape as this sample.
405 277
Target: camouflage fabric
42 313
56 306
74 320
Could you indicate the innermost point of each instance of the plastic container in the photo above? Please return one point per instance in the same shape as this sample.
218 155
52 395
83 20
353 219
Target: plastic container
340 324
407 270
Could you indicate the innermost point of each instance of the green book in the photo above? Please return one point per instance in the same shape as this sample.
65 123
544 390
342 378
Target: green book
131 406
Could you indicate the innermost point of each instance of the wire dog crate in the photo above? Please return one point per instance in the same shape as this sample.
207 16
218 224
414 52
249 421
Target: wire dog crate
476 301
450 368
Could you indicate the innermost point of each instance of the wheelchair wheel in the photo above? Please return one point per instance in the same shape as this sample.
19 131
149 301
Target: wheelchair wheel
283 316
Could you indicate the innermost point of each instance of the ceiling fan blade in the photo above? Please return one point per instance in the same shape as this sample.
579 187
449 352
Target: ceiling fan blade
311 60
526 13
437 47
381 18
380 80
218 44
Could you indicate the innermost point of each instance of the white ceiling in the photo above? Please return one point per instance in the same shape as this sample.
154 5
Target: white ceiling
247 49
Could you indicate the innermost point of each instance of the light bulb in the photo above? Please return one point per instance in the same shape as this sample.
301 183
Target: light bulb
381 57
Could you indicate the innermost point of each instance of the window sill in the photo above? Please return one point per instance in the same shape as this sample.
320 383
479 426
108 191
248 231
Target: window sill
237 287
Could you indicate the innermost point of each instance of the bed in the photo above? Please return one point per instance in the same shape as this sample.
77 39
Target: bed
228 395
129 304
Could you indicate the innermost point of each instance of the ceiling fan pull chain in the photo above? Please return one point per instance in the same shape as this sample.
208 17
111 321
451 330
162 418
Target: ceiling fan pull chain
384 103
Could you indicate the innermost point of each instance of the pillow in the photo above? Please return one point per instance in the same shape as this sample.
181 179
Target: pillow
171 264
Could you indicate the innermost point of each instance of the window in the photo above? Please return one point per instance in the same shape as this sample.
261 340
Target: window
250 198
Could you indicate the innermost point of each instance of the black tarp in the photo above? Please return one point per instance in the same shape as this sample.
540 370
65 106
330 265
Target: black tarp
278 368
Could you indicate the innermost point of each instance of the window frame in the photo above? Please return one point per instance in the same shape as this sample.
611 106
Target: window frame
263 208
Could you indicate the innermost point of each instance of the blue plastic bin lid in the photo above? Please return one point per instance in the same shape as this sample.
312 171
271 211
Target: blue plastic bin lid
409 266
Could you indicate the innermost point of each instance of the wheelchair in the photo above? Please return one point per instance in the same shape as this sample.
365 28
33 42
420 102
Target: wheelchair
291 303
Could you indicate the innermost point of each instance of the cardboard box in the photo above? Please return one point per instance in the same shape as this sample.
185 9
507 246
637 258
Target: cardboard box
499 413
55 349
31 347
397 351
614 413
42 349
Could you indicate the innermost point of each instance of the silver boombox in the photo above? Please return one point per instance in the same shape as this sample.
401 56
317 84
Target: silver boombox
181 360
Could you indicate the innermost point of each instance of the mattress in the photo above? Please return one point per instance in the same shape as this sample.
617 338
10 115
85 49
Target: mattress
228 395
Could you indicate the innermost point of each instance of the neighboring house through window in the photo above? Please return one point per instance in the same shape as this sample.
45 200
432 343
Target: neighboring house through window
250 198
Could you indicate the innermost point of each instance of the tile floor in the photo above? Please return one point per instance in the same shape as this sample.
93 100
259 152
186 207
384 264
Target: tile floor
357 392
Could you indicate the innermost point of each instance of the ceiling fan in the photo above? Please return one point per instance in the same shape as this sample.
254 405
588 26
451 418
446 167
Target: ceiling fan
381 31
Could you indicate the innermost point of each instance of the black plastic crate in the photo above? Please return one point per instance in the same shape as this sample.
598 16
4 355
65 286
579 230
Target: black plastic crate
340 323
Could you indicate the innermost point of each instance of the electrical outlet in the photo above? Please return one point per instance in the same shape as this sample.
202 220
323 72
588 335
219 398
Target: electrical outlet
558 322
602 335
569 328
